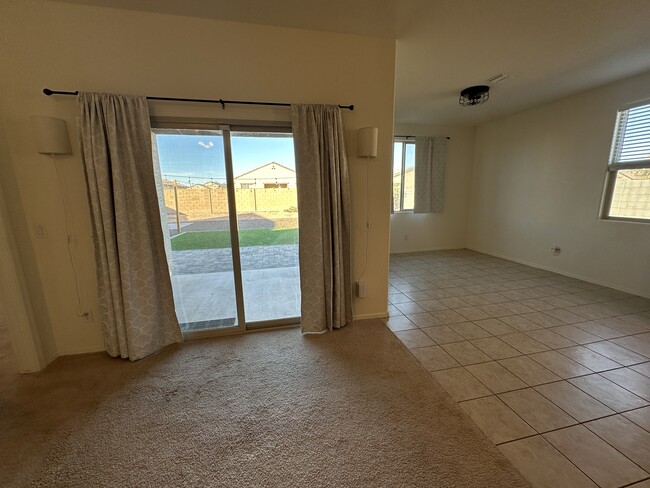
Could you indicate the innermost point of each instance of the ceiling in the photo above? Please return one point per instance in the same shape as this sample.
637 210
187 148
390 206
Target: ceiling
550 48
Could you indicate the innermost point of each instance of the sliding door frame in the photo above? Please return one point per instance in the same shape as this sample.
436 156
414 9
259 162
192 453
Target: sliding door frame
226 127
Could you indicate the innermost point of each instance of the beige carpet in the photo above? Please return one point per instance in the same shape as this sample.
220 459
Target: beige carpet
347 409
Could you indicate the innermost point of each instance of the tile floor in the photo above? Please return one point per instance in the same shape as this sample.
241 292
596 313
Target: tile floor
554 370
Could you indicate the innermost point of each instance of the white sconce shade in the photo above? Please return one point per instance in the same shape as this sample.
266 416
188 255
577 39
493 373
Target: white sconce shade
51 135
367 142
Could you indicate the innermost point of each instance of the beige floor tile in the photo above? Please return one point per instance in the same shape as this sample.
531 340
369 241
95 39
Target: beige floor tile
454 302
616 353
575 334
565 316
642 484
409 308
399 323
639 344
640 416
433 304
472 313
561 365
469 330
574 401
449 317
442 334
537 411
466 353
609 393
520 323
630 380
497 378
529 371
618 323
626 436
495 310
414 338
542 319
495 348
523 343
601 462
460 384
495 327
590 359
543 465
599 329
644 369
550 338
434 358
517 308
496 420
424 320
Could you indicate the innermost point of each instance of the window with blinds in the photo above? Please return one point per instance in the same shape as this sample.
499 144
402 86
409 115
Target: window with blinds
627 192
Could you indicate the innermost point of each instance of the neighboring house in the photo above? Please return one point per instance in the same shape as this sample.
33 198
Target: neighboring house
270 175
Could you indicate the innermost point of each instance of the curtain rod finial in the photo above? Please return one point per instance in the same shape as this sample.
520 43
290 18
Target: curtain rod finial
47 91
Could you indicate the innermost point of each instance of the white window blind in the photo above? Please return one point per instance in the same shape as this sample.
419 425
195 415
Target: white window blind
631 145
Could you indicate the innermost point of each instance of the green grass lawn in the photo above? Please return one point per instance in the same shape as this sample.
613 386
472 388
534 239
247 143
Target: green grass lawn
221 239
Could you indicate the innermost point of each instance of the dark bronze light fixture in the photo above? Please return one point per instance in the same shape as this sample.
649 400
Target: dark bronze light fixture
474 95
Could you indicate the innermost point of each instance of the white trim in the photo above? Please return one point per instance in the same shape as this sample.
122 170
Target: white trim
429 249
366 316
82 350
643 294
20 318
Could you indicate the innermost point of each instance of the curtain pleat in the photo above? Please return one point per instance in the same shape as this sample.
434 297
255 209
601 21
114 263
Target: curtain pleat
136 301
324 217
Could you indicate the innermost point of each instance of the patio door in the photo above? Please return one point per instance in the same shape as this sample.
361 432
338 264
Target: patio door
229 209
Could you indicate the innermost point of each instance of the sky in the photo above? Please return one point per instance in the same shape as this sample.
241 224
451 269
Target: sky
201 158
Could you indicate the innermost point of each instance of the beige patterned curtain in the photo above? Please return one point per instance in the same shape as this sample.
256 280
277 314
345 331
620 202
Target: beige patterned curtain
324 217
135 294
430 162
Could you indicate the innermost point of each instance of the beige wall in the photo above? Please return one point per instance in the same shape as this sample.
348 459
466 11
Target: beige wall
537 183
65 46
447 230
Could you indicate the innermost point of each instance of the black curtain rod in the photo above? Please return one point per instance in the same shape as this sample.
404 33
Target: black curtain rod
223 103
408 137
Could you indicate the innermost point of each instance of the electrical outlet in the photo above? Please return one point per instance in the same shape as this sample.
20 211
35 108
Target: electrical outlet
556 250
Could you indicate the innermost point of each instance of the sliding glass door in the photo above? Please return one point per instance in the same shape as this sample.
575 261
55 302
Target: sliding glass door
229 208
267 217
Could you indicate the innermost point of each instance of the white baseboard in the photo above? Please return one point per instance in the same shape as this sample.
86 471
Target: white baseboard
81 350
564 273
366 316
428 249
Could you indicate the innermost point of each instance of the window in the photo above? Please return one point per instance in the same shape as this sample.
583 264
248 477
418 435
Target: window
627 191
246 186
403 175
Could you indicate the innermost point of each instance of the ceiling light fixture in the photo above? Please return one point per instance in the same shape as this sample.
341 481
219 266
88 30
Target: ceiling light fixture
474 95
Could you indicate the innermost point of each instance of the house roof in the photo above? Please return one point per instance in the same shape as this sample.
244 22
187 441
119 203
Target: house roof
263 166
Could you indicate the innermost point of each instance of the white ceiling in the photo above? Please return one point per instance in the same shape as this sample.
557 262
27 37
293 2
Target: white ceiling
550 48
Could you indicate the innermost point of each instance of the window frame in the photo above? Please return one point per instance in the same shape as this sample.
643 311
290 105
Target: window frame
403 141
613 168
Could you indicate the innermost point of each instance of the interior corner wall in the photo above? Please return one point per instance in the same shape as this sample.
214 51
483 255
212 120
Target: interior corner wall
76 47
411 232
537 183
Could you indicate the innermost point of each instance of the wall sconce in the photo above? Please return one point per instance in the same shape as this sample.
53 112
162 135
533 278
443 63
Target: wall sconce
51 135
367 142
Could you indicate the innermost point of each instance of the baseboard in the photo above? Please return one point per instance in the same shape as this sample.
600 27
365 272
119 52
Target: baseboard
82 350
428 249
366 316
564 273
